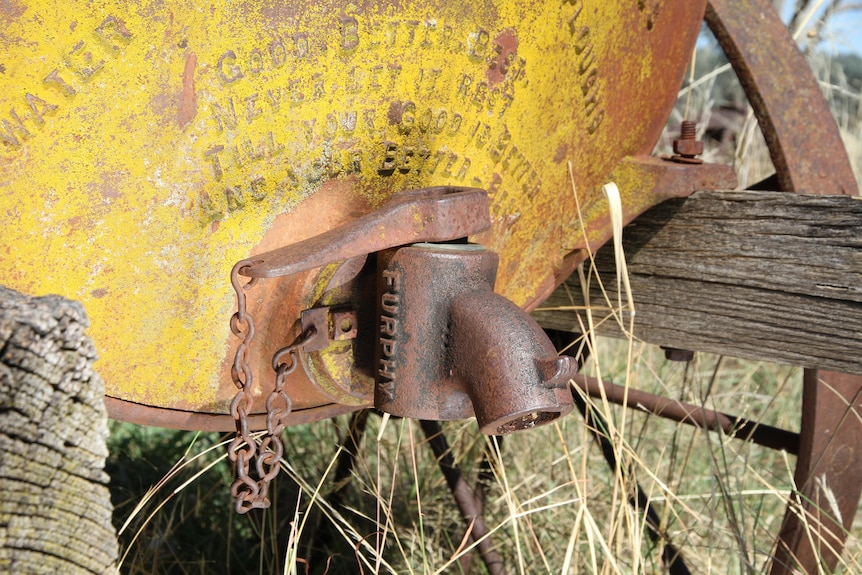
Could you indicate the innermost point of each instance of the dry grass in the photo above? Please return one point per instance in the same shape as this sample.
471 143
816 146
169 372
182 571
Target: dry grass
554 505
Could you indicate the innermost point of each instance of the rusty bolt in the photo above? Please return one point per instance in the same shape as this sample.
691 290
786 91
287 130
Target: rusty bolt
687 145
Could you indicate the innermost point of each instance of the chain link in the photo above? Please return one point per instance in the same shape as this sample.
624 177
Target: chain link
249 492
278 408
242 450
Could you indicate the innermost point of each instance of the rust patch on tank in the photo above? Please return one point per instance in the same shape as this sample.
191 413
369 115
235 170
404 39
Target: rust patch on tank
562 153
11 11
506 48
395 113
188 98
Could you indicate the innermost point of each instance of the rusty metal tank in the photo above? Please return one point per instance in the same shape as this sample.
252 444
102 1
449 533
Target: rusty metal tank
148 146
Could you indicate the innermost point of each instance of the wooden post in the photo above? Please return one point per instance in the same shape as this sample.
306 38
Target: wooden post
55 508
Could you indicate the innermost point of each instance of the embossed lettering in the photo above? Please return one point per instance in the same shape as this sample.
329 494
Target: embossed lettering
374 79
85 58
477 43
296 94
300 40
209 212
482 132
388 165
319 89
447 171
54 78
464 86
348 121
446 35
330 127
393 32
354 161
224 115
356 77
252 109
408 118
212 156
588 70
592 102
596 122
429 121
8 134
308 126
587 60
494 186
35 102
228 71
589 81
405 162
258 189
456 122
388 347
82 60
255 61
480 94
462 171
394 72
438 157
274 98
393 280
235 199
388 325
369 115
387 369
579 6
499 148
411 30
349 33
582 39
277 53
430 26
112 29
390 304
430 78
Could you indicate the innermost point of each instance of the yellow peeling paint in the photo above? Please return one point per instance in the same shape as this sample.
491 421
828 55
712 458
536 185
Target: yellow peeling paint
147 146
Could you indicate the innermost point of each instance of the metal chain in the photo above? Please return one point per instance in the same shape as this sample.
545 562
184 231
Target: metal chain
250 493
278 408
242 449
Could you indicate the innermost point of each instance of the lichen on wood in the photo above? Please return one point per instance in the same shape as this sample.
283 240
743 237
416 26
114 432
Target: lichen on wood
55 508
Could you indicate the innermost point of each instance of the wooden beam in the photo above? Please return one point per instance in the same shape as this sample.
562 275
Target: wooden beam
760 275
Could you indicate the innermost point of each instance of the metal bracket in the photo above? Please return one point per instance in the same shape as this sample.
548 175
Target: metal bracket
436 214
331 324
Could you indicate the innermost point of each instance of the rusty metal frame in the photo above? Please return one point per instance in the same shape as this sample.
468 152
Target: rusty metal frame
806 150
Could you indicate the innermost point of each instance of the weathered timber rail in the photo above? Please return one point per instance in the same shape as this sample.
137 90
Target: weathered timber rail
761 275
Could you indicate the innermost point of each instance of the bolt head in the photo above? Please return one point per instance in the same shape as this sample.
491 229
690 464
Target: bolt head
688 148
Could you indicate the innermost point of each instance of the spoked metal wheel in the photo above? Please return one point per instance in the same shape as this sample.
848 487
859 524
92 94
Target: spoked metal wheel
803 141
807 152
